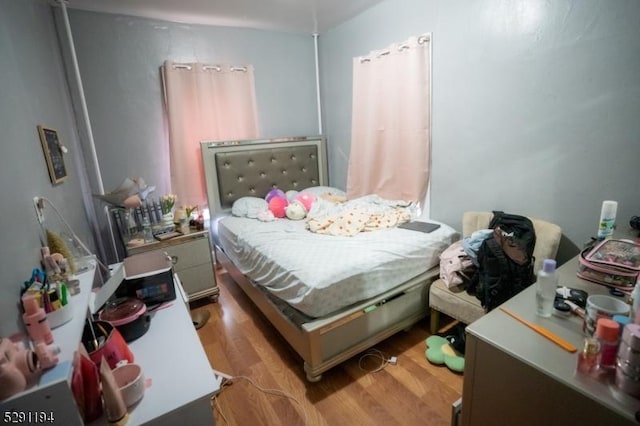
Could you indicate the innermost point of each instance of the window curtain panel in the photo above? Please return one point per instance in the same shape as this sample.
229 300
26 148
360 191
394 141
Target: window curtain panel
390 133
204 102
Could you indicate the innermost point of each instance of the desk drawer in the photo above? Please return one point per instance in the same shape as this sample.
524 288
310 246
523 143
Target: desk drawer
197 279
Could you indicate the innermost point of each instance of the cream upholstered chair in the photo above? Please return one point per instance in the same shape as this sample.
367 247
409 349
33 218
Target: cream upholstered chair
467 308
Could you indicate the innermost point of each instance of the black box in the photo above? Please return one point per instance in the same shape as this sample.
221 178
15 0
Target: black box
149 277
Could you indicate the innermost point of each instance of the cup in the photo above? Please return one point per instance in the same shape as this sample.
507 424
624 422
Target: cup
602 306
130 380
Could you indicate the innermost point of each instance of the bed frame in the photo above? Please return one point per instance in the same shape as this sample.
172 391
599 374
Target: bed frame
253 167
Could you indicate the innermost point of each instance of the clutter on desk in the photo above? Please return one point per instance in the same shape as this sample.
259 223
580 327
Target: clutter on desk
613 263
129 315
21 366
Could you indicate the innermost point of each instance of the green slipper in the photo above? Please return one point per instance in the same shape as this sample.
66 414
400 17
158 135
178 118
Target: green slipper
439 351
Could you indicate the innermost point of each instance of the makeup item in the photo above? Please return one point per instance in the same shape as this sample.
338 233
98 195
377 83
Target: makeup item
114 406
543 331
628 361
64 294
35 320
607 219
46 302
608 335
588 358
54 299
546 285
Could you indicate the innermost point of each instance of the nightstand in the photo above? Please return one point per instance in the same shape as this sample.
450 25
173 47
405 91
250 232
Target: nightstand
192 261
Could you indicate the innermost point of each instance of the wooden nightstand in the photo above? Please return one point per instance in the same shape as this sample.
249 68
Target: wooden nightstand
192 261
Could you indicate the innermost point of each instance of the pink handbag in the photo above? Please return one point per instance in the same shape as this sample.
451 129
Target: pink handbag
614 263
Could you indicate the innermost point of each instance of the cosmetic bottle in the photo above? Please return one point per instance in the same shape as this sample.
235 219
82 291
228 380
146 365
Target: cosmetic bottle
546 285
114 406
607 219
35 320
608 335
588 358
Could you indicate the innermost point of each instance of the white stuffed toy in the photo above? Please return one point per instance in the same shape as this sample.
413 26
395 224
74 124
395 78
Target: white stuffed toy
296 210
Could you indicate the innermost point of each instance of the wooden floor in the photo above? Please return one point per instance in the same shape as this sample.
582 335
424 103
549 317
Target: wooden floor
240 341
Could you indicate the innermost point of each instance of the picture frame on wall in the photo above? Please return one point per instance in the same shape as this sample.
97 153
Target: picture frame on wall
53 154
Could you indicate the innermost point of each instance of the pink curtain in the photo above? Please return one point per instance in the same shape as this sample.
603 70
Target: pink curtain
390 133
204 102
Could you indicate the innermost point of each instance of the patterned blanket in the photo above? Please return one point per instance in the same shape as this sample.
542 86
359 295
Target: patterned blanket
368 213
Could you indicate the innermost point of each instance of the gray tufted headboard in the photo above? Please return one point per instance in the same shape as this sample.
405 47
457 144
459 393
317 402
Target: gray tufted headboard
253 167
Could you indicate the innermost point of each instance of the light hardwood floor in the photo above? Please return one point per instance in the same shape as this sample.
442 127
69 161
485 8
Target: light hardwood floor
240 341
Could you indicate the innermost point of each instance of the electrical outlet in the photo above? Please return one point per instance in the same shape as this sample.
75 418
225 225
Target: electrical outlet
39 206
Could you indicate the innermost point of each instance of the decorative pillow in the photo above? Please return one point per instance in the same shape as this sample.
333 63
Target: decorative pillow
248 207
322 190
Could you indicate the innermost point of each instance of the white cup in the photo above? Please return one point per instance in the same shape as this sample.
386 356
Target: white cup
602 306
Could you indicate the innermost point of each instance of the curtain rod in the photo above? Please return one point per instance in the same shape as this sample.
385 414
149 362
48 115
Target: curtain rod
403 46
209 67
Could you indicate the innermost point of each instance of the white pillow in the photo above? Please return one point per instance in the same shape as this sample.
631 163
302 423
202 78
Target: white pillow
249 207
320 190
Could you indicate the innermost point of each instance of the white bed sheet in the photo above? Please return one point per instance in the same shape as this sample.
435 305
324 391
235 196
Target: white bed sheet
320 274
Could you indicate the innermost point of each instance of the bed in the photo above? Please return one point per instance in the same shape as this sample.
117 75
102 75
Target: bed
331 297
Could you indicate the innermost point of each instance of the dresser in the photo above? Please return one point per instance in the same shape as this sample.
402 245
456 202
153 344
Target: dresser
192 261
514 376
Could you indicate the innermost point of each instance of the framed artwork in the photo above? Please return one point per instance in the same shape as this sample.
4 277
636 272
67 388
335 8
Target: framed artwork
53 151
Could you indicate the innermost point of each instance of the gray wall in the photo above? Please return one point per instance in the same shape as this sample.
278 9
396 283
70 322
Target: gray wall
536 105
33 91
120 58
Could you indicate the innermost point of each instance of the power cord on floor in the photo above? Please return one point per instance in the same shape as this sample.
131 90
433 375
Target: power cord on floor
229 380
381 356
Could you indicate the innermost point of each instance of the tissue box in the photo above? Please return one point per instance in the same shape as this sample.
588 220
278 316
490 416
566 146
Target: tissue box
149 277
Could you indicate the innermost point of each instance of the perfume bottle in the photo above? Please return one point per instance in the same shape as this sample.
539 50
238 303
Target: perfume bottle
588 358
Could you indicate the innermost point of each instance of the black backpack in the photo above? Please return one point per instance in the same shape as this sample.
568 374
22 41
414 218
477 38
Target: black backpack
505 260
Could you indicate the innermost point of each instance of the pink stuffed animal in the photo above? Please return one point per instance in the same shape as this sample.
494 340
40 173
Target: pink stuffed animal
307 199
277 206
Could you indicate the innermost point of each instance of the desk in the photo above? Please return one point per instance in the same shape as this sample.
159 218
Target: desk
514 376
170 354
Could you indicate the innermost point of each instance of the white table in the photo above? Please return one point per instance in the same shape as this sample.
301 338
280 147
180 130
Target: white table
170 354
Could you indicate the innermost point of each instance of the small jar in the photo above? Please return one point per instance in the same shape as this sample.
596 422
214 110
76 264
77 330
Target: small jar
588 358
608 335
628 366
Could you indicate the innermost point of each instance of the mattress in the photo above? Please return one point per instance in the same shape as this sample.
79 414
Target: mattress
320 274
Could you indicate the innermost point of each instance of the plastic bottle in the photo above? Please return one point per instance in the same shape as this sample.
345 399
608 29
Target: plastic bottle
607 219
608 335
35 320
146 230
635 303
546 285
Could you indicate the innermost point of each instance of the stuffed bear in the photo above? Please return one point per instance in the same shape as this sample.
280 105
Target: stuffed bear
296 210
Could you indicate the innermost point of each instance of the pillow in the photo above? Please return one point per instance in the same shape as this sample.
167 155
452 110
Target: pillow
321 190
248 207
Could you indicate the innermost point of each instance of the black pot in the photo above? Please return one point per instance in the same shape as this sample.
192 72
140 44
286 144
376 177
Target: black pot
129 315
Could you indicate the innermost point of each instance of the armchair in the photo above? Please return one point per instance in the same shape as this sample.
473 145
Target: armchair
460 305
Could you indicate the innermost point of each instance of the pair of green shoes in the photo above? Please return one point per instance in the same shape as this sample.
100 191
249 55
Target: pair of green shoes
440 351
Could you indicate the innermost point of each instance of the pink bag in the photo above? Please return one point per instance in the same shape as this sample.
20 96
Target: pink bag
614 263
456 267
